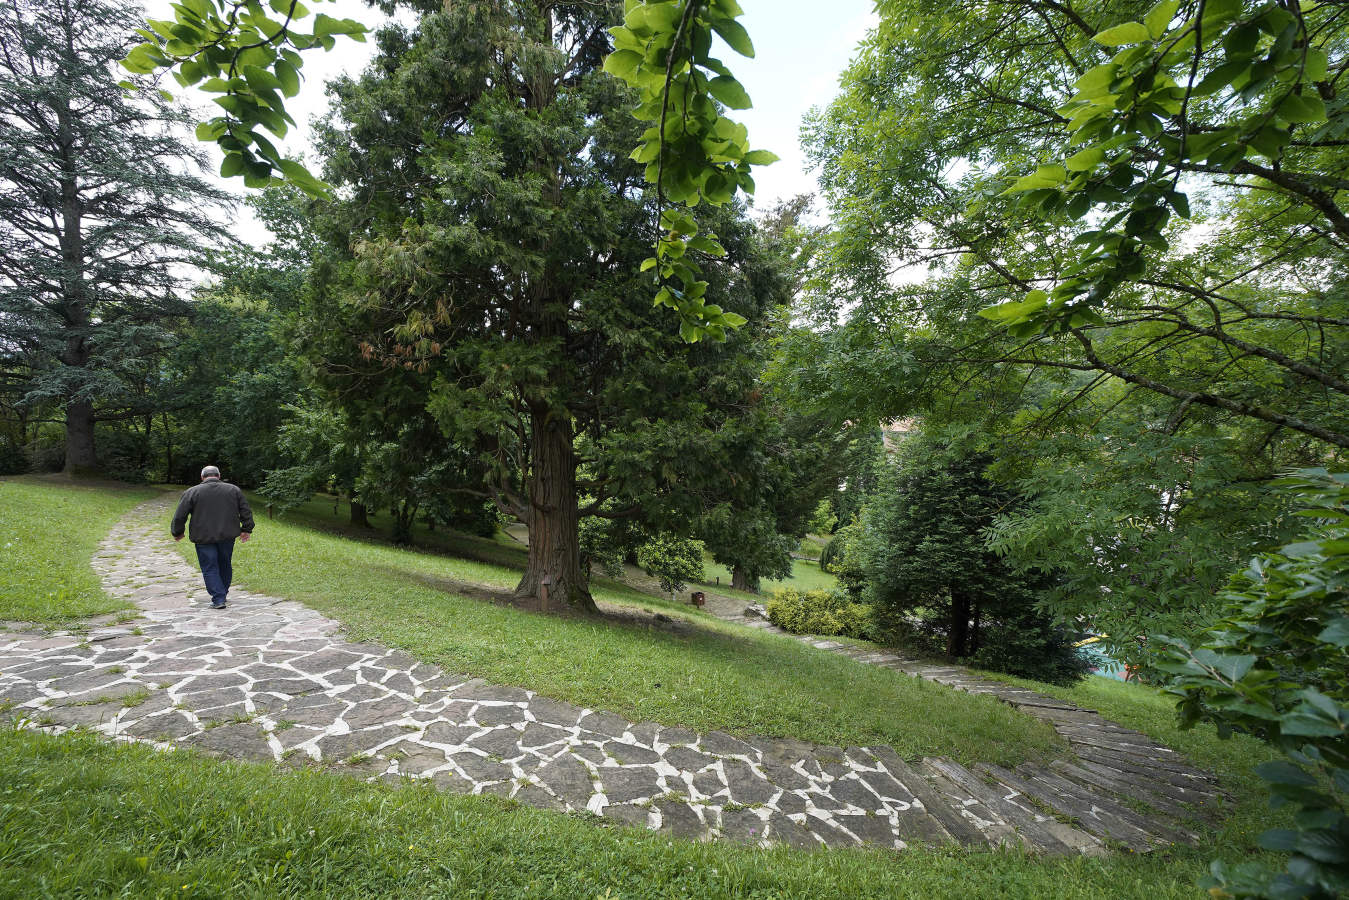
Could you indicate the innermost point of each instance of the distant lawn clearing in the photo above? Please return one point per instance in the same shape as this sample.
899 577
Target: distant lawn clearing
806 576
82 817
49 529
714 676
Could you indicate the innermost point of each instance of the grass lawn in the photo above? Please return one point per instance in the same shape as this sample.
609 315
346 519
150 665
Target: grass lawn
712 676
49 529
79 817
806 576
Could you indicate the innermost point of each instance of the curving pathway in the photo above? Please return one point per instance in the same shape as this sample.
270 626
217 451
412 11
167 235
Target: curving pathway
270 679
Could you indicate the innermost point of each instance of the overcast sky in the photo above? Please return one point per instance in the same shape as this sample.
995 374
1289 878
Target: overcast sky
801 47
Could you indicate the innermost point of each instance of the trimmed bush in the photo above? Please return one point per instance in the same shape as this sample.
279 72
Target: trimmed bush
820 612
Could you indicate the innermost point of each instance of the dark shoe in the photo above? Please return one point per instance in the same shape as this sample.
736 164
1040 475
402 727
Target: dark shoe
215 605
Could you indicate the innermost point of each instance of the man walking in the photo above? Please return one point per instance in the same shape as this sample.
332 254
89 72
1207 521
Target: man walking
219 514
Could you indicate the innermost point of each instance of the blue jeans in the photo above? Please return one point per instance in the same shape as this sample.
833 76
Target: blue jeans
215 568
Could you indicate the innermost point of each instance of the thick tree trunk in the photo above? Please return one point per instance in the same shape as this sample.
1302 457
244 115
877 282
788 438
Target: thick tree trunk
957 638
404 515
168 450
75 305
359 516
80 437
741 580
554 546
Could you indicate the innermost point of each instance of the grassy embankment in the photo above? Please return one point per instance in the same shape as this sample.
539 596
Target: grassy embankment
49 528
80 817
698 672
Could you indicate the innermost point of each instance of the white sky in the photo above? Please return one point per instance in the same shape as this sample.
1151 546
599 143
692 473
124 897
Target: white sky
801 48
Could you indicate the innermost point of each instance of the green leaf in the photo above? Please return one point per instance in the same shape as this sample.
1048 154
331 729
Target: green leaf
1283 840
732 320
1316 66
1085 160
1159 17
1097 81
761 157
1128 33
260 79
1337 632
1231 667
1285 773
232 165
288 77
1299 108
729 91
735 36
1044 177
623 64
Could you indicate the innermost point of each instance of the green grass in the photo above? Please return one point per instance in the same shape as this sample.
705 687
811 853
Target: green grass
79 817
49 529
501 550
709 675
806 576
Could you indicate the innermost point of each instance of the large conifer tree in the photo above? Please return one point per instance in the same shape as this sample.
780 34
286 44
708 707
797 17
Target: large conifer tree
99 211
491 231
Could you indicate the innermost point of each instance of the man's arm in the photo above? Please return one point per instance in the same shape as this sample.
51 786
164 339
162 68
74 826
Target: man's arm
245 517
180 516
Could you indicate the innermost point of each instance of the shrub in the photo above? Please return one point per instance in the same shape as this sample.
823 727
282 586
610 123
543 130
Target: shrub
1277 667
13 459
820 612
673 560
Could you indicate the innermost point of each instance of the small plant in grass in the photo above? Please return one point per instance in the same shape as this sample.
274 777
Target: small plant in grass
116 670
283 725
1277 667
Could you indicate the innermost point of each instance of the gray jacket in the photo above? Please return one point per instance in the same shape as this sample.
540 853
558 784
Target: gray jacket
219 512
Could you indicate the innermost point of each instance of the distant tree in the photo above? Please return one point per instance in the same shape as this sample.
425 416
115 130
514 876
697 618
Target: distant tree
928 566
98 215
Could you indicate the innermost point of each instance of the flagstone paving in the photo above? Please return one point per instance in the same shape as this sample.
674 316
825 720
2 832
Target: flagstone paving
270 679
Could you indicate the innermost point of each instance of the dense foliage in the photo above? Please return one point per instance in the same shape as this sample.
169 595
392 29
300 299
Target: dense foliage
1144 435
673 561
1277 666
920 557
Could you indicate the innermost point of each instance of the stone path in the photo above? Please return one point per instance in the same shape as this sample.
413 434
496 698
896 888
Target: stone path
270 679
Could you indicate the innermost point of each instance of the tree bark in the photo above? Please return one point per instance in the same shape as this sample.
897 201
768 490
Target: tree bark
554 544
741 580
958 631
359 516
80 437
75 304
404 514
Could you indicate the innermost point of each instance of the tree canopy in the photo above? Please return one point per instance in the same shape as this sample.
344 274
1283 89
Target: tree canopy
99 210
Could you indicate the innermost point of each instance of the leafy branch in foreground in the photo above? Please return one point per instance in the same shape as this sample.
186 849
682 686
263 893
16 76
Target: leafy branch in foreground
1235 89
238 50
693 153
1277 667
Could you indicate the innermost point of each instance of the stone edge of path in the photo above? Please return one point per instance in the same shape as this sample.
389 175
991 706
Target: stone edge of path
1117 769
